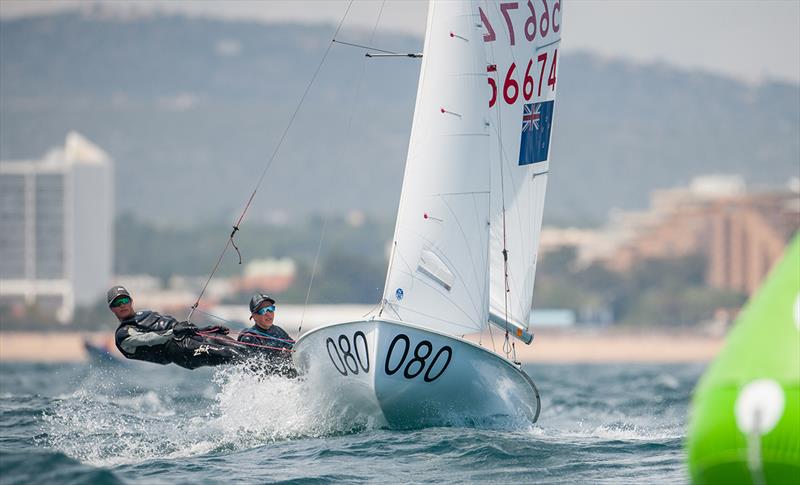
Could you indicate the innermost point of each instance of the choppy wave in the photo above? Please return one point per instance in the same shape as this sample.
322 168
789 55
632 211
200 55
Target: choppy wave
603 424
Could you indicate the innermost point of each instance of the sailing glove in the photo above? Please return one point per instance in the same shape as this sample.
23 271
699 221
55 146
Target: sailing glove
182 329
215 329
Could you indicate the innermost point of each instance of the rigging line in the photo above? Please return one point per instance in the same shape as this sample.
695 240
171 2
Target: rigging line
364 47
205 286
504 157
297 109
269 163
371 310
387 304
341 156
414 141
313 274
217 317
498 130
506 289
383 301
491 336
237 323
227 339
511 53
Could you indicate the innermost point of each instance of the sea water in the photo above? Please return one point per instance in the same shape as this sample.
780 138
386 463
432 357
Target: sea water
82 423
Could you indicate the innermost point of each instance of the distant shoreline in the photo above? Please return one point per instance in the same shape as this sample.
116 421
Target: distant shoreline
616 346
549 346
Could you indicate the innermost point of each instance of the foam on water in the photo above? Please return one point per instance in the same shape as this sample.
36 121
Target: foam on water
252 408
108 422
599 424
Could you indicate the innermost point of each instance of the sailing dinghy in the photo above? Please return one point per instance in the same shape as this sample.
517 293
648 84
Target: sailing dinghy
467 232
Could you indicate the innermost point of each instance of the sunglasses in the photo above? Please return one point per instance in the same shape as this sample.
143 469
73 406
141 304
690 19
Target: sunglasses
119 302
263 311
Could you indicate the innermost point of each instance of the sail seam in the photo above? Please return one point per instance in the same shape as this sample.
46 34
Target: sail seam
434 317
480 192
469 251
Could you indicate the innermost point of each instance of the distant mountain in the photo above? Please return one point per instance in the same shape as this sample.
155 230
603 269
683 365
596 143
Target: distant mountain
191 110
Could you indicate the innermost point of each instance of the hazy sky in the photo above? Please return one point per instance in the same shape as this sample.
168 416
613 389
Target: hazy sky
752 40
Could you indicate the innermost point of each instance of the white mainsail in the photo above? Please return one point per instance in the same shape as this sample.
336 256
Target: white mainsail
522 41
438 275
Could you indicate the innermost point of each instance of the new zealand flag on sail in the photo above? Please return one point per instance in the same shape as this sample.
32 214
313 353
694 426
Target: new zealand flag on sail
537 118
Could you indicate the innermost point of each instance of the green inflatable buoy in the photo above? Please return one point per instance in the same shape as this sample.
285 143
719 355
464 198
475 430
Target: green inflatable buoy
745 422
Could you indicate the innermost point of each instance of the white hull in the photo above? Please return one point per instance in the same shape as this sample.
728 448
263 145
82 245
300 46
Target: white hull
405 376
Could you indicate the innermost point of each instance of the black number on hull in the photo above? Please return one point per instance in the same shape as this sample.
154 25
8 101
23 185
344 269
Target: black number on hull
328 344
428 377
405 340
417 364
348 356
363 339
418 359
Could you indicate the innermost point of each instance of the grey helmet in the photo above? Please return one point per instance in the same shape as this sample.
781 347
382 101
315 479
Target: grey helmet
258 299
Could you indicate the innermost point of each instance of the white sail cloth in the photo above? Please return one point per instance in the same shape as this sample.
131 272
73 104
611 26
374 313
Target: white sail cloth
525 71
438 276
475 176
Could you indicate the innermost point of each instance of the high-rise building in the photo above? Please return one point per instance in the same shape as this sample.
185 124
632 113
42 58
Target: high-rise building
56 229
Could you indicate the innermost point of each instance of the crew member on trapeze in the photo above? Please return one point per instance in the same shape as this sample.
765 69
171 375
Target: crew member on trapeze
267 340
152 337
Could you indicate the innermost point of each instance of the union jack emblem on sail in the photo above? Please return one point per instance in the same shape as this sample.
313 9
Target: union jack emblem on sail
537 119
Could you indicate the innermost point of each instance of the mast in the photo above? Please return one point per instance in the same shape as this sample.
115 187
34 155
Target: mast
522 42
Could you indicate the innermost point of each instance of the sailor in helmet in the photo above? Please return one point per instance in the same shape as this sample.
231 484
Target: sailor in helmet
267 339
161 339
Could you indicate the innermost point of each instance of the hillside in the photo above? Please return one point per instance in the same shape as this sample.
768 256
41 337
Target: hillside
191 109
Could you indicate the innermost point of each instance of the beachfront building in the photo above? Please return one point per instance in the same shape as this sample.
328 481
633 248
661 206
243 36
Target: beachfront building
742 233
56 230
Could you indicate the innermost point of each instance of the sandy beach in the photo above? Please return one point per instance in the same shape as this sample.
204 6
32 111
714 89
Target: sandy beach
615 346
549 346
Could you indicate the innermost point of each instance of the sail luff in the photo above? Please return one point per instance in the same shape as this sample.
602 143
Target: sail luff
438 276
412 137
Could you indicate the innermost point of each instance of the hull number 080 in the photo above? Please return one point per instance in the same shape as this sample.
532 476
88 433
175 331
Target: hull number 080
420 361
347 357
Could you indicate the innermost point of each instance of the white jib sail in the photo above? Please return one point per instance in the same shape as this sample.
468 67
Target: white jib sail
522 41
438 274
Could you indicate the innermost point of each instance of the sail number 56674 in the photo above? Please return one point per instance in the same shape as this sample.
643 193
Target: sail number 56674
530 88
